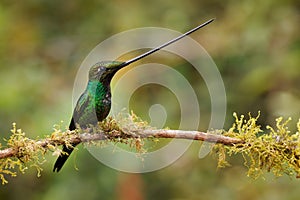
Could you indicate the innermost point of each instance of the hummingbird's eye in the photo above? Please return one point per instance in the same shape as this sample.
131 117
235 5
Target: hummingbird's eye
100 69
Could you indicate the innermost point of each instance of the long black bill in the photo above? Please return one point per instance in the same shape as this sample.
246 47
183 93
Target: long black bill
164 45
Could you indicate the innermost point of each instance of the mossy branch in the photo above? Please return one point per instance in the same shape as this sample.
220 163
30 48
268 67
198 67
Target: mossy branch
119 134
277 150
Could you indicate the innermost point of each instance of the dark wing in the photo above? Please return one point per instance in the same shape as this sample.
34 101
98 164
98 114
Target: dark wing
78 111
81 105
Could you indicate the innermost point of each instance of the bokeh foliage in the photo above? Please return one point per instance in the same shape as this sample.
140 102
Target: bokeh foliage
255 45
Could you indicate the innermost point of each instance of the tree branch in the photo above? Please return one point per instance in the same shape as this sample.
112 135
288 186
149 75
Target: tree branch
115 134
191 135
276 150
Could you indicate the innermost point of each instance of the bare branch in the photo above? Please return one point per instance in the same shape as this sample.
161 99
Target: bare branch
9 152
191 135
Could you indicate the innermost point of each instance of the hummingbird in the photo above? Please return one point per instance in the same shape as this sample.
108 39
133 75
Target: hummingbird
94 104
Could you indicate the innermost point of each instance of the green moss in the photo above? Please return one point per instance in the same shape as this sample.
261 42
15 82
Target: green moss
28 151
124 129
276 150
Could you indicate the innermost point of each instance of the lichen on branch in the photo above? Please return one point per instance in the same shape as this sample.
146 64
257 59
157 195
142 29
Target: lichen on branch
20 150
274 150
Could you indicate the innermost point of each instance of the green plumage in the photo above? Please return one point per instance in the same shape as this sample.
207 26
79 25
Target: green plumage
94 103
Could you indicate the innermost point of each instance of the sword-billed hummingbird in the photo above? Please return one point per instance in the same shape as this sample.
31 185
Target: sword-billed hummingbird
95 102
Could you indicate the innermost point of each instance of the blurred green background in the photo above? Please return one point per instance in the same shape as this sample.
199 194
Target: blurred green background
255 44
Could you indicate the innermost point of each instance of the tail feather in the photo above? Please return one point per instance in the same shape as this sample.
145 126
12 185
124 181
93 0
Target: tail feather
62 158
66 152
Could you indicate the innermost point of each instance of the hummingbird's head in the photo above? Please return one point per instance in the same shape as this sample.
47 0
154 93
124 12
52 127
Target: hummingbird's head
105 70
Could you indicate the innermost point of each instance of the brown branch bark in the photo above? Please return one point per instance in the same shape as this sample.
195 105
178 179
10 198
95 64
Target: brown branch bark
191 135
160 133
